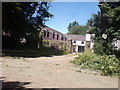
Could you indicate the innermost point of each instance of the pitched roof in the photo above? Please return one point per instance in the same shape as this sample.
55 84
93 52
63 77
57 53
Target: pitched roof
76 37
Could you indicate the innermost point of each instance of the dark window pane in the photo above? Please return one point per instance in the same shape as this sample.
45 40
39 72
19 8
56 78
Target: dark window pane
62 38
44 33
82 42
47 33
53 35
57 36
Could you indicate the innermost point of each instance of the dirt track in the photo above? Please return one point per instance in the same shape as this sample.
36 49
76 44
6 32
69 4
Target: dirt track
51 72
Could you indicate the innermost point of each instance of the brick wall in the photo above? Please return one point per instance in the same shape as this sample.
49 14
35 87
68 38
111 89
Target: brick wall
49 35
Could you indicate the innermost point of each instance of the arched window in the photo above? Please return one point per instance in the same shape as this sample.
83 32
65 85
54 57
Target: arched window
53 35
57 36
65 38
62 38
44 33
47 33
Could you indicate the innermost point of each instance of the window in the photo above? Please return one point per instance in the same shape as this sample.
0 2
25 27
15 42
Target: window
65 38
82 42
73 41
44 33
57 36
62 38
53 35
47 33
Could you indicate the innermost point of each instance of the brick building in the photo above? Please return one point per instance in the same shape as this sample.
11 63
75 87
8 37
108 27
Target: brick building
51 34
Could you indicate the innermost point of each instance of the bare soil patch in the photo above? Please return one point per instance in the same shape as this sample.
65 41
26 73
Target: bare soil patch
51 72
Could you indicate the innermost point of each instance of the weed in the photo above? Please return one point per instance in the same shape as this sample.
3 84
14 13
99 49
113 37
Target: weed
107 65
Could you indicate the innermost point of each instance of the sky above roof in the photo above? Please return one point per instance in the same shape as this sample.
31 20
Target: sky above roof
66 12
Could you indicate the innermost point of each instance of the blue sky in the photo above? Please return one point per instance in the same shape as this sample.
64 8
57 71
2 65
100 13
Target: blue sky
66 12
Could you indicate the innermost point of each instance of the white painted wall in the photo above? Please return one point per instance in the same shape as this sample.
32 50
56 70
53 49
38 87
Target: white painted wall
78 43
76 49
88 37
91 44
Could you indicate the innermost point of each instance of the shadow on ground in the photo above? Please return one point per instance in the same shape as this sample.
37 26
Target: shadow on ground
13 85
44 51
16 85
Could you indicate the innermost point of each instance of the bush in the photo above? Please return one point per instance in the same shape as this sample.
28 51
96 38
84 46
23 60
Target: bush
108 65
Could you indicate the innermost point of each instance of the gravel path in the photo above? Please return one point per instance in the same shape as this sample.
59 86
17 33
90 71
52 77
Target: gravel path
51 72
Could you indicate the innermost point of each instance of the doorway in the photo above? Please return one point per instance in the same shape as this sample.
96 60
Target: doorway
80 48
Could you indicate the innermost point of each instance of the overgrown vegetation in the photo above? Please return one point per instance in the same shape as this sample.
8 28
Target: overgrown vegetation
106 57
75 28
49 48
23 20
42 51
107 65
106 22
57 46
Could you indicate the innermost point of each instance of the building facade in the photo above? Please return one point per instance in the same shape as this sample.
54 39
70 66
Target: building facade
51 34
75 43
78 42
56 39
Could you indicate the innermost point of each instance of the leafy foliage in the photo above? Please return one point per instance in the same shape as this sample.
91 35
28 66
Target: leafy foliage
106 22
75 23
75 28
21 21
57 46
108 65
43 51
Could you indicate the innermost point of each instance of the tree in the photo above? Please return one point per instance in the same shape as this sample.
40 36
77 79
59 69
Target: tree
21 20
75 23
106 22
75 28
78 30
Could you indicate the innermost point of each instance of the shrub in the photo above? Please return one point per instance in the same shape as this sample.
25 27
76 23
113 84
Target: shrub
108 65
